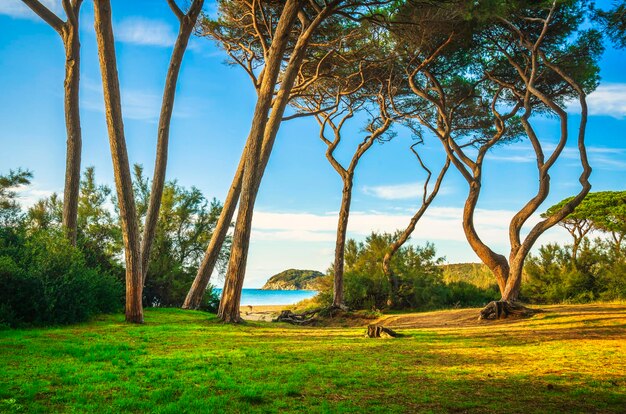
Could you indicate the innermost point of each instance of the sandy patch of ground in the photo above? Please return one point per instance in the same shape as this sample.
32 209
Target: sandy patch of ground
262 312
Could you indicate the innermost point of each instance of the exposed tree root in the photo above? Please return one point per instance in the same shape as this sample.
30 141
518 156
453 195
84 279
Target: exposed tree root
503 309
309 317
304 318
379 331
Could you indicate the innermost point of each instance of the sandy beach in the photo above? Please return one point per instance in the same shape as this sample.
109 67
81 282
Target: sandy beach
262 312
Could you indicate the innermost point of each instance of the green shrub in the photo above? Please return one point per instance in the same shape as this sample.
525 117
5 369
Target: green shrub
419 276
552 276
463 294
47 282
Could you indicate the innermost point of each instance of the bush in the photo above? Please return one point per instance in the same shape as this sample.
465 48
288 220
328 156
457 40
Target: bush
420 278
552 276
463 294
47 282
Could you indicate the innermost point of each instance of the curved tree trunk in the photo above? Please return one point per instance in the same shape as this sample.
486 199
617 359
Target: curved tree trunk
187 23
497 263
119 155
72 124
340 244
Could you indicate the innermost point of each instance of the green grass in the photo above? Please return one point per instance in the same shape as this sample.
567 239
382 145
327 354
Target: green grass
571 359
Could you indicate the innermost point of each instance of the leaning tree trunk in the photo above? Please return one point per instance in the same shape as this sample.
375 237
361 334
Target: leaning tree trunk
231 294
201 281
187 23
119 155
340 243
72 124
257 158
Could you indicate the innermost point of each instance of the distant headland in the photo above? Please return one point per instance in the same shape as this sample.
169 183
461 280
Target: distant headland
294 279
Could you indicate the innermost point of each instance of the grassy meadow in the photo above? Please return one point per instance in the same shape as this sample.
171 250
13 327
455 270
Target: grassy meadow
567 359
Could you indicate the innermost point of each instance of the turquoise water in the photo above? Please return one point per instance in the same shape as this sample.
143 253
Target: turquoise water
256 297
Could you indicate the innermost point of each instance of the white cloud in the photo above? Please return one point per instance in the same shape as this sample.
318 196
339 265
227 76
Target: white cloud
17 9
439 223
404 191
305 240
608 99
142 31
27 196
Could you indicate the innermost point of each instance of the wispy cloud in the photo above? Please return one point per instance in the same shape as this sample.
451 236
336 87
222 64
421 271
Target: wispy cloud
438 224
18 10
599 157
609 99
404 191
147 32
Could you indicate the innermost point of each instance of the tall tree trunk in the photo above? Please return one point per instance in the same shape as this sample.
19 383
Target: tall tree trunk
69 33
72 124
231 294
340 243
119 155
187 23
201 281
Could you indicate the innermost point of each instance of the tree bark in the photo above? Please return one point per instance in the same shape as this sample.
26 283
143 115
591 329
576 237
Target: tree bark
69 33
119 155
340 244
231 294
514 280
497 263
74 136
187 24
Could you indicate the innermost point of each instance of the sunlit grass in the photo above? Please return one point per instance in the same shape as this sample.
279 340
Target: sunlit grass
569 359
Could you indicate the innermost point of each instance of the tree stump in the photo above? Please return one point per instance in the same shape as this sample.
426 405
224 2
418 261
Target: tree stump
379 331
503 309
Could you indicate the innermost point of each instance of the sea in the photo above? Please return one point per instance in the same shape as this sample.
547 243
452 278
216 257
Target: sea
258 297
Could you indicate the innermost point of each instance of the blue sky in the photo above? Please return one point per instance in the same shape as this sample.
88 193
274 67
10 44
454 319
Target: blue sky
295 216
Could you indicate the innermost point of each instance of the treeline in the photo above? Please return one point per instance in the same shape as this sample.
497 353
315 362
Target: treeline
587 270
550 277
46 280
